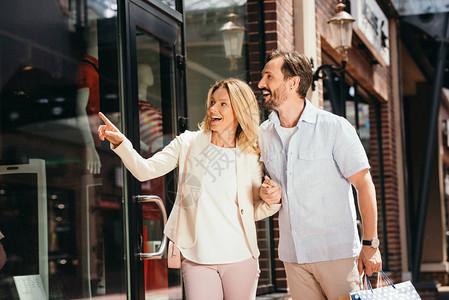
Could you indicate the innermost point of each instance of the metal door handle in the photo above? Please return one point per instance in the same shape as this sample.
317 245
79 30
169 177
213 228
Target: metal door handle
160 252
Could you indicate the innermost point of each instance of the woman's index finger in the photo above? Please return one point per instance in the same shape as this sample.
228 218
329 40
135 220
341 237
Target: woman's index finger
105 119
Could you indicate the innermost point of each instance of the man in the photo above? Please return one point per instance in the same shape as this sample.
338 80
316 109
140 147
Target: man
2 252
315 156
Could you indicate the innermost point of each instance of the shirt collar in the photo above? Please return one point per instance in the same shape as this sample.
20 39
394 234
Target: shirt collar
308 115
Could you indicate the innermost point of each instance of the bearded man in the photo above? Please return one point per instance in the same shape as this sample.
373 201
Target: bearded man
314 157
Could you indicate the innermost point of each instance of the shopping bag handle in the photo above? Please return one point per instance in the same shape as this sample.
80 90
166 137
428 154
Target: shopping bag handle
368 282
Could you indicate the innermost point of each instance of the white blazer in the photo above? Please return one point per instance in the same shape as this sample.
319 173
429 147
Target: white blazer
249 179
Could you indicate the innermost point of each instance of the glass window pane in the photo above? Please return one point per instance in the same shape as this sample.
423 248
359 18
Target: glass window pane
169 3
350 112
60 186
207 61
157 117
364 126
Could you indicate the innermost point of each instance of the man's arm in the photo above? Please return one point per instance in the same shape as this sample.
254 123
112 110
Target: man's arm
369 257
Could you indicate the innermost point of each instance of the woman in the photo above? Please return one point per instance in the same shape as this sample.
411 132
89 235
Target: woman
220 200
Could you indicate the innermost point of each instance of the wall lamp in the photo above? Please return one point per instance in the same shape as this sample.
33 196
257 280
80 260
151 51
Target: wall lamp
233 34
341 30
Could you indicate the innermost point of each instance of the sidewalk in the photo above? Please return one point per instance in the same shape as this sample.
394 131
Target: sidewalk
275 296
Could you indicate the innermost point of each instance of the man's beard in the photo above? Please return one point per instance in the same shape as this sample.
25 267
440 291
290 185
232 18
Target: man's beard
277 97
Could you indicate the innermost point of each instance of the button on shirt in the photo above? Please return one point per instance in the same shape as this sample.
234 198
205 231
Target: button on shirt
317 219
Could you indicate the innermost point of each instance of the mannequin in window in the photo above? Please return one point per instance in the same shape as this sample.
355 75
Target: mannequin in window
150 117
151 133
2 252
88 98
87 107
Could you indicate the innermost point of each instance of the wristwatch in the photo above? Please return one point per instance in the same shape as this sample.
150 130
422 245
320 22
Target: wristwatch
373 243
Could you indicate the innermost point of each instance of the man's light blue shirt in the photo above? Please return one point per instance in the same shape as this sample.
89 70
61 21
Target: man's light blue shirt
317 219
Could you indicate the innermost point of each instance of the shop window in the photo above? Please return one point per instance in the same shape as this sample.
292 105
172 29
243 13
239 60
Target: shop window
58 68
207 62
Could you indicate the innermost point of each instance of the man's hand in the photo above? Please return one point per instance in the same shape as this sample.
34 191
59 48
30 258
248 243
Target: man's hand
270 192
370 258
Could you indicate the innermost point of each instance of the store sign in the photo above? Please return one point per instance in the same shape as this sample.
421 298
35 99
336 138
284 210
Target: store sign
419 7
29 287
371 26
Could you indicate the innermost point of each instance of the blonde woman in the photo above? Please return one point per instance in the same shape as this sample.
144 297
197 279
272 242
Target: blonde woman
217 232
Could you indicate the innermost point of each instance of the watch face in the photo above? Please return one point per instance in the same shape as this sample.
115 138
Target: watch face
375 243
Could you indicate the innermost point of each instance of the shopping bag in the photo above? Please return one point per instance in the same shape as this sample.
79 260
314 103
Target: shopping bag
399 291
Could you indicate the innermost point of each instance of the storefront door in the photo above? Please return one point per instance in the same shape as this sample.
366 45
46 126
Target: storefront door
155 73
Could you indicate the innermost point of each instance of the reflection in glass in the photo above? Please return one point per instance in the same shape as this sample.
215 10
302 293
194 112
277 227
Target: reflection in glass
207 61
169 3
53 80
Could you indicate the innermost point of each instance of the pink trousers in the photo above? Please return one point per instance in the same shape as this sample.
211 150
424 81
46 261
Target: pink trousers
234 281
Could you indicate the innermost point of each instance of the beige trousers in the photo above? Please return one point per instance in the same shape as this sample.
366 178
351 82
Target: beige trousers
323 280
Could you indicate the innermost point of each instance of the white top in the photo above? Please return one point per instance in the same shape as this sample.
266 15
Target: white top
286 134
219 235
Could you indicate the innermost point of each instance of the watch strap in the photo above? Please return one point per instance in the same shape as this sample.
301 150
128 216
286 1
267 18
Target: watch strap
373 242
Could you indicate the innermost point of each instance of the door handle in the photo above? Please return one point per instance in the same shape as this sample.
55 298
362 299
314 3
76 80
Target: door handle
160 252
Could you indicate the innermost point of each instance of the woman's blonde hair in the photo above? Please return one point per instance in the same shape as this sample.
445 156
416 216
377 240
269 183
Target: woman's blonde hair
246 111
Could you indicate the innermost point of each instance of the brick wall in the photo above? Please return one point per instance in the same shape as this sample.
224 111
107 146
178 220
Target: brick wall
254 40
391 253
278 24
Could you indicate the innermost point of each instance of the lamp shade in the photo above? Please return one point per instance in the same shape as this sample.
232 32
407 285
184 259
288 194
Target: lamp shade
233 35
341 29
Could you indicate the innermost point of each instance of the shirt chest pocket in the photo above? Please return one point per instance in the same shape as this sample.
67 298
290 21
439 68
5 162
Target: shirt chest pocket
313 166
274 164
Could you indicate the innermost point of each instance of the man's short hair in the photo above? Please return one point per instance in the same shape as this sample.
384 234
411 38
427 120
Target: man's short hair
295 64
